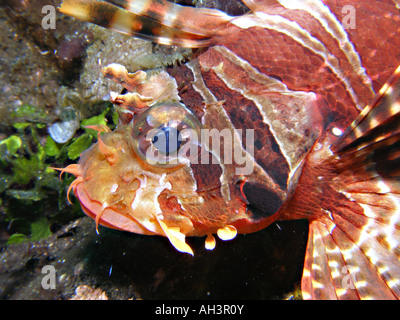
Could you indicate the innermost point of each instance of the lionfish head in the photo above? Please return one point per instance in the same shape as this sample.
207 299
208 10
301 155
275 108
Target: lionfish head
222 157
174 171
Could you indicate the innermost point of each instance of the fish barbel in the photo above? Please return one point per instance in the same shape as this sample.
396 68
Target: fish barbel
303 98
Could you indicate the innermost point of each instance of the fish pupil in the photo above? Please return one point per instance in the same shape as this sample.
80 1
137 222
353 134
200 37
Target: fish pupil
167 140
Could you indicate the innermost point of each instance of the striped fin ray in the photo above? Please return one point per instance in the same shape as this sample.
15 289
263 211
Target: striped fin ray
354 240
202 21
159 21
344 261
383 113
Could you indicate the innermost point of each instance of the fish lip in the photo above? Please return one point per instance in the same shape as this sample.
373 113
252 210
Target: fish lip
109 218
116 220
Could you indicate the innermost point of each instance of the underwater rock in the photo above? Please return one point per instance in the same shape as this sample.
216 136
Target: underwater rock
23 266
88 293
27 75
70 54
30 71
233 8
62 131
110 47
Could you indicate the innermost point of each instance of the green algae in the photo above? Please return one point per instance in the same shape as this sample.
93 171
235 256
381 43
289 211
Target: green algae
32 195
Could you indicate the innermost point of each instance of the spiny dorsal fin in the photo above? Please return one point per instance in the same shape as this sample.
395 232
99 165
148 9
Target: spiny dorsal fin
156 20
354 241
371 144
379 120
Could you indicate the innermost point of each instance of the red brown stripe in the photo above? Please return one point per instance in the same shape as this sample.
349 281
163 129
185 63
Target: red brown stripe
245 115
297 67
190 97
375 21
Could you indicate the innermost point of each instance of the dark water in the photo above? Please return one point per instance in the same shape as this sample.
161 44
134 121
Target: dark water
263 265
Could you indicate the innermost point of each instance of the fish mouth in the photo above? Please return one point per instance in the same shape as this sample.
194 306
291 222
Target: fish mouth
107 216
114 219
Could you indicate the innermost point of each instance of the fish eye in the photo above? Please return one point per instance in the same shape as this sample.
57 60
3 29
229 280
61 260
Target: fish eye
167 140
166 135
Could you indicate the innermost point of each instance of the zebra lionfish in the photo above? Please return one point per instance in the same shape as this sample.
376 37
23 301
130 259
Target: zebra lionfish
306 98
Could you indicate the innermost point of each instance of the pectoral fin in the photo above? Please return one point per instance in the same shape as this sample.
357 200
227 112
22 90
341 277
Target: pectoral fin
352 197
